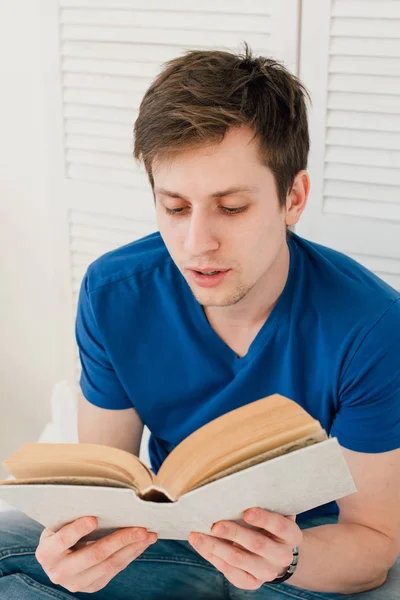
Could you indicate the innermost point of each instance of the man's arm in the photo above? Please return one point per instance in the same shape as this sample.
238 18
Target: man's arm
349 557
118 428
356 554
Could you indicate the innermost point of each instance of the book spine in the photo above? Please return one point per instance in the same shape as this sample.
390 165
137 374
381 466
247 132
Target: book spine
154 493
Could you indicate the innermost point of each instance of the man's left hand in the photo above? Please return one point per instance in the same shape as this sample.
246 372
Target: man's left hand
250 557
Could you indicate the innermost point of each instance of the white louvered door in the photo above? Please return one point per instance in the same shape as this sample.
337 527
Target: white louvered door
350 62
100 57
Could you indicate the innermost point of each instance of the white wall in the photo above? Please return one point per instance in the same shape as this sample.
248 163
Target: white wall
27 348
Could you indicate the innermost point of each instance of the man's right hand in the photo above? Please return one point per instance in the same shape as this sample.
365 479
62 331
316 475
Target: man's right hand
91 567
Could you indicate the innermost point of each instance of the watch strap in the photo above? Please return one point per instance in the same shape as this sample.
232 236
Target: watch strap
291 568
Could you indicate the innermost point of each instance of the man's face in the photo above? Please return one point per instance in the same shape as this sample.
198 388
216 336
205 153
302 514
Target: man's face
238 234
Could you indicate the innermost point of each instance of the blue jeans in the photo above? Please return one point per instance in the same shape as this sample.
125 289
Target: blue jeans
167 570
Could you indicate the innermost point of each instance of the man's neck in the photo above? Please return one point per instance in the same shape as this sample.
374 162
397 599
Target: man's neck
238 325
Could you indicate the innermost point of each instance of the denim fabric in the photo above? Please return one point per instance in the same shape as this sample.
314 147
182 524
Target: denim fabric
168 570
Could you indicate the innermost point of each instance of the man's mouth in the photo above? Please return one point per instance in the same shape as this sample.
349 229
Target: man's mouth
207 272
208 277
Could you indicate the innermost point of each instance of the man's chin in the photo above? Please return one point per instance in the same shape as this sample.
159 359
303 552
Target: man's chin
206 297
209 298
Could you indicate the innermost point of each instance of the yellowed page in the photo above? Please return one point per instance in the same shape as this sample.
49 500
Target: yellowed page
38 460
67 480
232 438
268 455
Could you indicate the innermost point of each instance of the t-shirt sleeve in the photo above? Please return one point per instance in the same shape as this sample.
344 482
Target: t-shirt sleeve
368 419
99 382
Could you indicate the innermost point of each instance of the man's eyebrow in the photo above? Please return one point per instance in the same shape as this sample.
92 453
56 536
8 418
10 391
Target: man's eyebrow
227 192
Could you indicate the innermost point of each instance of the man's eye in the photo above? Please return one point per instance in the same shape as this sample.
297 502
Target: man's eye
174 211
233 211
227 210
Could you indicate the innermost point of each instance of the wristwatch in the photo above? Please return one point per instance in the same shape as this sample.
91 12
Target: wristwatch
291 568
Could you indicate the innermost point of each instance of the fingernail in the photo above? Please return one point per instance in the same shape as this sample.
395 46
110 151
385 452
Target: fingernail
90 523
153 538
219 529
197 539
252 515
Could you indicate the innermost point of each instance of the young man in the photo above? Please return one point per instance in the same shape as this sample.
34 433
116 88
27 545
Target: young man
222 307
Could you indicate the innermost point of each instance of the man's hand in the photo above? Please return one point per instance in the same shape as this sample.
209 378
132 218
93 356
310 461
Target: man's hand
89 567
250 557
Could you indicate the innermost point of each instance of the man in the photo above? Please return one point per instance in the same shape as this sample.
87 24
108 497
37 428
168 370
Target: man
222 307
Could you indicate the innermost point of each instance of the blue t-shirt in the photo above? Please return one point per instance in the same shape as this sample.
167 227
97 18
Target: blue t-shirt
331 344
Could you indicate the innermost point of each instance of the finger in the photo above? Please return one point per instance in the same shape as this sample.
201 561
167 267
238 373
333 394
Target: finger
236 557
95 554
236 576
282 528
80 545
103 573
46 533
54 545
255 542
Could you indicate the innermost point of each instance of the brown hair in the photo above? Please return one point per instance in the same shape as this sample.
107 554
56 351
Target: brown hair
199 95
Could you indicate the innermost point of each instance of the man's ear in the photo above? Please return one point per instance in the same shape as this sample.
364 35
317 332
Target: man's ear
296 199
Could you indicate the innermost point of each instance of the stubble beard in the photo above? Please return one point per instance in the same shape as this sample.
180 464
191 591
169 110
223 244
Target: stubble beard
229 299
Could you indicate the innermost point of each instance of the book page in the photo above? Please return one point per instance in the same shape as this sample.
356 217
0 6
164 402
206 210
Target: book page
92 481
263 457
38 460
247 431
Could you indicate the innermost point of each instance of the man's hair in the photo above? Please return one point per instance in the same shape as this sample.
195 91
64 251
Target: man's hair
198 96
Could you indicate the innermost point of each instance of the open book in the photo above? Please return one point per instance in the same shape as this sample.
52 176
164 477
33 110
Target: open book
268 453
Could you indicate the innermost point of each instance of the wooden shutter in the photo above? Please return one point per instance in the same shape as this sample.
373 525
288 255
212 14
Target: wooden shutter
350 62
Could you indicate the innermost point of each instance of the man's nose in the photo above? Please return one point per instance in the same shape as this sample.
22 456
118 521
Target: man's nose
200 237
